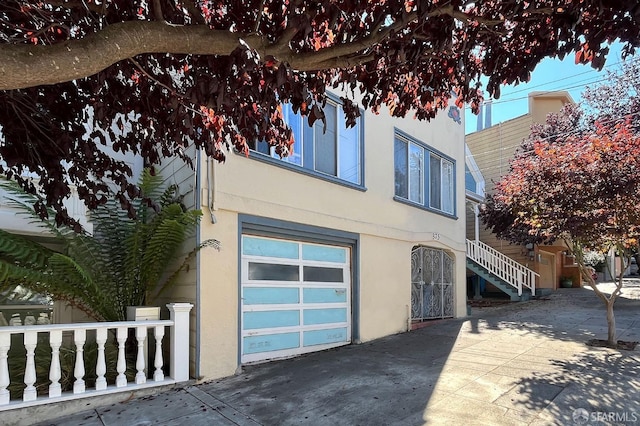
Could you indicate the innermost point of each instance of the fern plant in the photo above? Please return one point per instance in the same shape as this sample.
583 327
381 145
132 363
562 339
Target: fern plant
124 263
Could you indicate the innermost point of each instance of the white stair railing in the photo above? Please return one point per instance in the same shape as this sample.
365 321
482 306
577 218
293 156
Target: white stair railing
75 336
502 266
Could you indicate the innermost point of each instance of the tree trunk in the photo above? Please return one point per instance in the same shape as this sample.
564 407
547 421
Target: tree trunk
611 323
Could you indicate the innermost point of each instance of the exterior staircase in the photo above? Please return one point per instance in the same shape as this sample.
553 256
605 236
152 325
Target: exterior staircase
511 277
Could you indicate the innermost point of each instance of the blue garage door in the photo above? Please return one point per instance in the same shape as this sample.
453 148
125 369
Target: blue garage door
296 298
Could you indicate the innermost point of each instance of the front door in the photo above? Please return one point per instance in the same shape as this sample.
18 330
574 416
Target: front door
431 284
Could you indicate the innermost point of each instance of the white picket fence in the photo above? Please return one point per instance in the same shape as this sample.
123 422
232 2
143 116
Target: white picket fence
52 335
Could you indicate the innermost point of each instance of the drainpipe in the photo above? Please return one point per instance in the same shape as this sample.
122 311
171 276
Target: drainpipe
476 212
408 318
211 189
198 303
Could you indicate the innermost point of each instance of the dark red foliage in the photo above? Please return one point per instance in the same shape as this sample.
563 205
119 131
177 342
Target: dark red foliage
216 75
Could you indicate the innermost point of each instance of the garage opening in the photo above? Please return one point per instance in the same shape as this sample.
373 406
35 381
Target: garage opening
295 297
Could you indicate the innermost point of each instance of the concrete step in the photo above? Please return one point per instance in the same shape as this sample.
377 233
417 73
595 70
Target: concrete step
541 292
498 282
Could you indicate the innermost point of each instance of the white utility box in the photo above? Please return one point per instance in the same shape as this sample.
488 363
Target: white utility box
143 313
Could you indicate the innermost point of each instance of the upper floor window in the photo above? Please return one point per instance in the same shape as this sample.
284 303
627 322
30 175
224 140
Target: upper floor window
335 153
423 176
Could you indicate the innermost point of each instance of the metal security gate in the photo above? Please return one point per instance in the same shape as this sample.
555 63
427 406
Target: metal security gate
431 284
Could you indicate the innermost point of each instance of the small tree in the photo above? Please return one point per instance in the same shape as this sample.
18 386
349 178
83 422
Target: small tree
581 188
616 96
124 263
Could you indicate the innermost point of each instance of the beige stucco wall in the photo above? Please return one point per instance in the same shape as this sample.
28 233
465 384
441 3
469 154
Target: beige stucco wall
220 298
542 103
387 232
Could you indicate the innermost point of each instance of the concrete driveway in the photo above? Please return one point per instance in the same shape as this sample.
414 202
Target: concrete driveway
517 364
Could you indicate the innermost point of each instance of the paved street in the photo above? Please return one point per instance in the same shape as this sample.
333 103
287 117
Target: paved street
517 364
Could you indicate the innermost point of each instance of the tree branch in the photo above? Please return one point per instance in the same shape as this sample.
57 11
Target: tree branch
23 66
340 53
77 4
259 16
157 11
194 13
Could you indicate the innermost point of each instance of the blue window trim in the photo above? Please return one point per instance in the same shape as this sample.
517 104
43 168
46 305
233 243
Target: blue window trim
275 228
303 170
423 207
308 131
426 172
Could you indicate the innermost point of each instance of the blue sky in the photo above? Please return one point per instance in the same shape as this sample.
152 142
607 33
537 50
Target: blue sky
550 74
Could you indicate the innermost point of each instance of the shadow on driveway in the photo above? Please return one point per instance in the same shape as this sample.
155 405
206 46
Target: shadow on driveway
517 364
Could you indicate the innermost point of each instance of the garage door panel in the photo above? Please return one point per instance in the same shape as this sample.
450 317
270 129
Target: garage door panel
273 272
270 295
323 337
271 342
324 253
324 295
270 319
323 274
324 316
269 248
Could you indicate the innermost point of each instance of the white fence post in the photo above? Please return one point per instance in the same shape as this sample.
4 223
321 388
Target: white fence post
30 342
101 366
141 361
158 375
55 340
180 340
79 338
121 366
5 381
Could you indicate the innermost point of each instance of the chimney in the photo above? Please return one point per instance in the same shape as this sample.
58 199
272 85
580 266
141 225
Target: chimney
487 118
479 125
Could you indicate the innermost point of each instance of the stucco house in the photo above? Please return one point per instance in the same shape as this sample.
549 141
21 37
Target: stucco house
358 235
492 147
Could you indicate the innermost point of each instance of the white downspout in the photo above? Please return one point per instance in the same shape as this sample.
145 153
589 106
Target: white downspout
476 212
211 188
198 202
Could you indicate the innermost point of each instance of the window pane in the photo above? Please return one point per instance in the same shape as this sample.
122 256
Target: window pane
349 159
262 146
401 169
273 272
325 142
435 181
320 274
295 122
447 186
416 178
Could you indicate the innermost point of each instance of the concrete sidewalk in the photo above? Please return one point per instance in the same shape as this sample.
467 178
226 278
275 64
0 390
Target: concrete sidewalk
517 364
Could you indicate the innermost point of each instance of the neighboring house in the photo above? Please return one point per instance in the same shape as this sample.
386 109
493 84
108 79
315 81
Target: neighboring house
357 235
14 220
21 303
492 148
474 185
